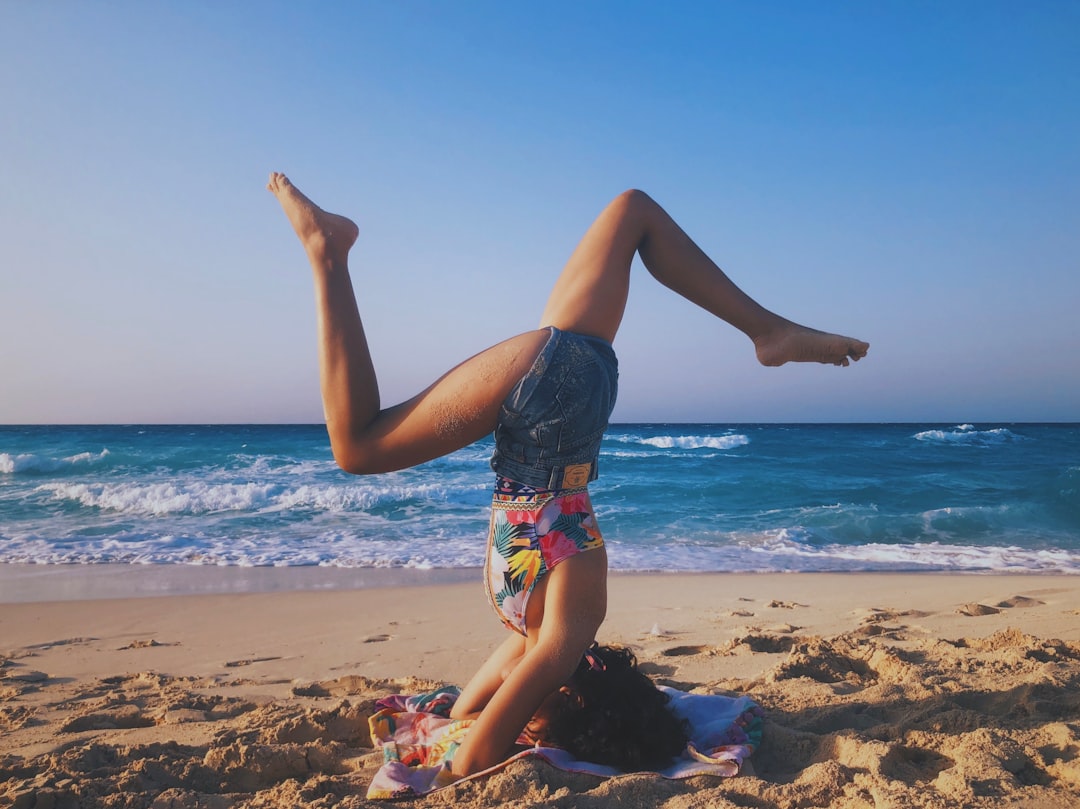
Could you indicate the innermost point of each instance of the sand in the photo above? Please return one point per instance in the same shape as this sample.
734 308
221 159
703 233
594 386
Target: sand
884 690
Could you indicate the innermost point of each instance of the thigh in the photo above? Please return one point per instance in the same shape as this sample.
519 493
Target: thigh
459 408
569 604
474 698
590 294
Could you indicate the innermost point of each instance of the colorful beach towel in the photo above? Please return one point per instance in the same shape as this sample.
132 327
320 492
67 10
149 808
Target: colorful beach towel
419 740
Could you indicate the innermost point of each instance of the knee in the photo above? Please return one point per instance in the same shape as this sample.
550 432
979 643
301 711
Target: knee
633 205
633 200
353 464
508 669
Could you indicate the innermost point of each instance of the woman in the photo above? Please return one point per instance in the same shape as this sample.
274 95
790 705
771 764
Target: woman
547 394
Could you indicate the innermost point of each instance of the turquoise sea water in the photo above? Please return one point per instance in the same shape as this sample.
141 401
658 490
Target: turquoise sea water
714 497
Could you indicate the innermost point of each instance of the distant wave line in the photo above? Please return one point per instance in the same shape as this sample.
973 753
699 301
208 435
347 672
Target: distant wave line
685 441
29 463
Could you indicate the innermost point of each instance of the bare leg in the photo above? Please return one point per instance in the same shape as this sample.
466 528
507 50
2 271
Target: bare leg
589 297
459 408
574 600
590 294
490 676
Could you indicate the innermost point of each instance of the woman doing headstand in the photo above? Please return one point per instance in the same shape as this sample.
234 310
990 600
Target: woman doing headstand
547 394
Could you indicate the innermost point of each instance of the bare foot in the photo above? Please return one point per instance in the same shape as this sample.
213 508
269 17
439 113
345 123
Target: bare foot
794 343
326 237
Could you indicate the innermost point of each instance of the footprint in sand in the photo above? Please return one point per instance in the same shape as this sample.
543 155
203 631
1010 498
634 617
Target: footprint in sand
1020 602
683 651
23 675
122 717
756 641
822 660
737 614
976 609
875 622
145 644
877 615
232 664
782 629
880 630
65 642
15 717
657 669
357 685
913 765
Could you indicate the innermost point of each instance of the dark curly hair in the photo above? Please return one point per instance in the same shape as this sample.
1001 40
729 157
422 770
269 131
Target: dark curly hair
611 713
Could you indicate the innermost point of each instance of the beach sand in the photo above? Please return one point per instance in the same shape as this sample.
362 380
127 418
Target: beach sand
920 690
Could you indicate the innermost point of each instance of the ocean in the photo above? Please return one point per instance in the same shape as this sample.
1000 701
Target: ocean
671 497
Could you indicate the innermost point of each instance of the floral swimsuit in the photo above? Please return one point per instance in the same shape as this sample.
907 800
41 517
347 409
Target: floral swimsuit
532 531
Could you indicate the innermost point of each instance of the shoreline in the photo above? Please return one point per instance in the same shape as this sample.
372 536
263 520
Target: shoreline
439 631
37 582
33 582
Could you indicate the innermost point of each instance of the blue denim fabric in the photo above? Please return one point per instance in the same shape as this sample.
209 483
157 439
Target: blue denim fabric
555 417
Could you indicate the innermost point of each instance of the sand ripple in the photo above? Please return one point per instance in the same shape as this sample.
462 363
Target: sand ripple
853 720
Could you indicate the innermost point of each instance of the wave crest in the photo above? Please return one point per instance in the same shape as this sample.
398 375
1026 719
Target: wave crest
160 499
689 441
968 435
30 464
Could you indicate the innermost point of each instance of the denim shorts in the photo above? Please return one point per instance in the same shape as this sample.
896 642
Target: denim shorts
551 423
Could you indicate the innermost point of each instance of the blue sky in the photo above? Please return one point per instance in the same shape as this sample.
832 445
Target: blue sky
904 172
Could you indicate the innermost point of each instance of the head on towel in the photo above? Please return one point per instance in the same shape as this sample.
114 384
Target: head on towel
611 713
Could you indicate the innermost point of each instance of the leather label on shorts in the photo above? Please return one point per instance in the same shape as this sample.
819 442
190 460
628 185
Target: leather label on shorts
576 475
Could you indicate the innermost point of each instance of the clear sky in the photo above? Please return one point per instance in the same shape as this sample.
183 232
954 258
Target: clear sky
904 172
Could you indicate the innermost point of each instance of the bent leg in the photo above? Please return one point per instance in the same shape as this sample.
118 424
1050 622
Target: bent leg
590 294
476 695
459 408
574 598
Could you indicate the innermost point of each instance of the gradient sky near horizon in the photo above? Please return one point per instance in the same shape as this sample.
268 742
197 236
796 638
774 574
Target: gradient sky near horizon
904 172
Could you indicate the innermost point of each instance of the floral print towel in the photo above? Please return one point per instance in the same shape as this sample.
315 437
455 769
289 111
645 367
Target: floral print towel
419 739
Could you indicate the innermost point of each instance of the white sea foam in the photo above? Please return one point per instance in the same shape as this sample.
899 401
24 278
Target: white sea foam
937 556
160 499
688 441
794 550
967 435
199 497
352 498
327 548
28 463
371 542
